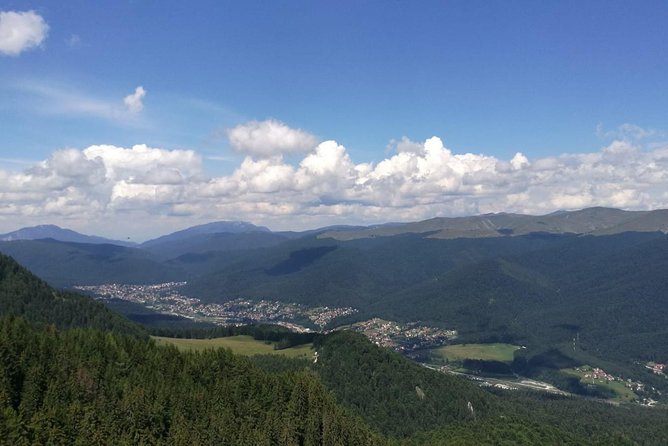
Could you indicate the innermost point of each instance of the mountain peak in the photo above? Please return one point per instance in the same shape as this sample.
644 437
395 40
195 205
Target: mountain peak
228 226
50 231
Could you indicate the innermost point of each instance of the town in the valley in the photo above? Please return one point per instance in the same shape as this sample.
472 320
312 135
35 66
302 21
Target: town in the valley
166 298
411 339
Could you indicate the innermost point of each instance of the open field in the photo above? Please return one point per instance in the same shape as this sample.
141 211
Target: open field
241 345
485 352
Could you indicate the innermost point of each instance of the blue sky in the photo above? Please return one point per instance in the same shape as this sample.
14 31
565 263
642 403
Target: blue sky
491 78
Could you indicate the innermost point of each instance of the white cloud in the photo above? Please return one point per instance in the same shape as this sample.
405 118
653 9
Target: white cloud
133 102
103 185
21 31
404 145
269 138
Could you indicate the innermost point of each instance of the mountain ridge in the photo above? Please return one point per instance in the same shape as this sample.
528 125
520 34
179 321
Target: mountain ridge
234 227
55 232
594 220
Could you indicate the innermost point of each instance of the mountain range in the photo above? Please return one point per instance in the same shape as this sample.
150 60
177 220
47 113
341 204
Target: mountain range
589 221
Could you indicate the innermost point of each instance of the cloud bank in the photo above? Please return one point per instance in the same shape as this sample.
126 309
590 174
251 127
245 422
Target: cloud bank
102 185
21 31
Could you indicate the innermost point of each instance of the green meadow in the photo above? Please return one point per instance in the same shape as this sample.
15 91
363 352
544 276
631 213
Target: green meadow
485 352
241 345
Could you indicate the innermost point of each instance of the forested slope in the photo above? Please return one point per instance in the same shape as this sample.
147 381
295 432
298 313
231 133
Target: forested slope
64 264
91 387
23 294
405 400
384 387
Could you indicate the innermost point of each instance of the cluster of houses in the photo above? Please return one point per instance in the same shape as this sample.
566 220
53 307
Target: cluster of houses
595 373
658 368
321 316
403 338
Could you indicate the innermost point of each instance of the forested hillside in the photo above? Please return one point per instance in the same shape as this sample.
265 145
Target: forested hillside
356 273
24 295
540 290
405 400
64 264
384 387
91 387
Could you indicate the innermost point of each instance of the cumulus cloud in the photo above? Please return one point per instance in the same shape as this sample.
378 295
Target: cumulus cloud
104 184
404 145
133 102
92 183
21 31
269 138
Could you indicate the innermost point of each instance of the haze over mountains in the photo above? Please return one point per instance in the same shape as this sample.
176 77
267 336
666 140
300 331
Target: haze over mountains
594 221
204 254
58 233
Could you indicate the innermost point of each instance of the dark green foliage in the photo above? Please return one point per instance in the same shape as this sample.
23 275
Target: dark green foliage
391 393
503 431
91 387
279 363
22 294
600 423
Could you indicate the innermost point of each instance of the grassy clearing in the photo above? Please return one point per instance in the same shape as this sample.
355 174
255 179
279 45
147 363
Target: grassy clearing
485 352
241 345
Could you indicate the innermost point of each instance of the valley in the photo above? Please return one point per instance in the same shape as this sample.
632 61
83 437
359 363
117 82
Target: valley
166 298
587 289
487 364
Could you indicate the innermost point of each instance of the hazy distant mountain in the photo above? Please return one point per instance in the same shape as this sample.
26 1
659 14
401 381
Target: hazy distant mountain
57 233
64 264
197 244
234 227
642 222
597 220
